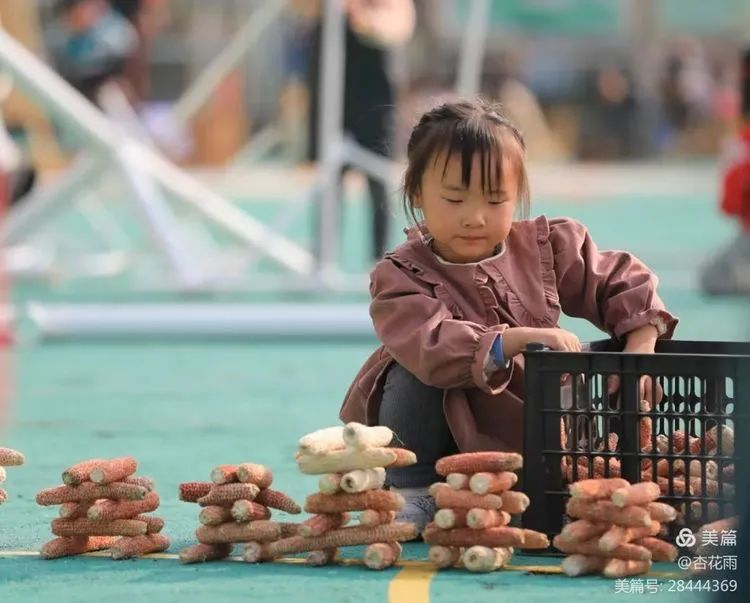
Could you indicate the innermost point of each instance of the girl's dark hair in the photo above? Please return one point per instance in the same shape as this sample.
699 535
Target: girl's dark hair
466 127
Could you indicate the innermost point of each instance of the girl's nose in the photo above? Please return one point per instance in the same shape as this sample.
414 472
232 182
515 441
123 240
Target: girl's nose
473 219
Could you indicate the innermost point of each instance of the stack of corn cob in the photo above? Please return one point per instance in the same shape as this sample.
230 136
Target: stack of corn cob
475 508
616 528
687 476
236 508
352 461
102 506
8 458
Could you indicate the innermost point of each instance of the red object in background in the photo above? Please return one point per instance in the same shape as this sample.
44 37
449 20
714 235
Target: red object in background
5 333
735 196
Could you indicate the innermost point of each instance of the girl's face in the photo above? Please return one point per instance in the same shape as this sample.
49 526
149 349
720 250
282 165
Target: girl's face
467 222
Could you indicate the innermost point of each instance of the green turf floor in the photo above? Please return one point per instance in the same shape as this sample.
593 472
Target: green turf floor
182 408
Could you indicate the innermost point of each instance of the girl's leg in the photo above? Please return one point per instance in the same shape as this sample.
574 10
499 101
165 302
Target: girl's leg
414 411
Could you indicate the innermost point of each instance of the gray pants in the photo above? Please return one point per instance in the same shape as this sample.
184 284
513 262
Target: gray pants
414 411
728 272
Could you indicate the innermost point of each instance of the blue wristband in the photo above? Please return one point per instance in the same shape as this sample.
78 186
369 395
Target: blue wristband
497 352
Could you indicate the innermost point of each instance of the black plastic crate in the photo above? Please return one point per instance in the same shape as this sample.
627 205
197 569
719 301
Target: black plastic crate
570 414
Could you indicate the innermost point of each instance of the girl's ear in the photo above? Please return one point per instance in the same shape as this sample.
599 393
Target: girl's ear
417 201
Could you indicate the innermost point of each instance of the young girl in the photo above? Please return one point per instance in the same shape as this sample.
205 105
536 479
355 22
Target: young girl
456 304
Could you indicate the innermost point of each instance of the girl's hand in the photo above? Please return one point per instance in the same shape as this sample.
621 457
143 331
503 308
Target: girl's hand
640 341
517 338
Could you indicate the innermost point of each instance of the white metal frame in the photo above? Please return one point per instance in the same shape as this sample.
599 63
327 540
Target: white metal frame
136 159
113 147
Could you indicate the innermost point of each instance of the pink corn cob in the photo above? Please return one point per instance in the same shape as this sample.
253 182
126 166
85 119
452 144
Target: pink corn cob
444 556
255 552
606 511
10 457
353 536
123 509
457 481
3 496
599 469
260 475
580 565
260 531
477 462
660 550
89 491
404 457
278 500
214 515
114 470
492 483
727 440
491 537
379 500
479 519
661 512
200 553
583 530
447 498
712 487
534 540
320 524
617 535
591 547
370 518
80 472
485 559
591 489
330 483
621 568
154 524
514 502
76 545
86 527
125 548
228 493
140 480
637 494
321 557
381 555
247 510
224 474
73 510
192 491
451 518
678 484
288 529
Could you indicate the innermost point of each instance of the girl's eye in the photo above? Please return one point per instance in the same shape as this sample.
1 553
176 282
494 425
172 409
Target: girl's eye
453 200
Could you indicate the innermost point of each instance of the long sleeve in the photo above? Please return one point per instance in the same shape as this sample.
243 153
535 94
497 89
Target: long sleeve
612 289
422 335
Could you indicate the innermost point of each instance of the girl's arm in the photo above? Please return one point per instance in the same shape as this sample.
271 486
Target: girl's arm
423 336
642 340
612 289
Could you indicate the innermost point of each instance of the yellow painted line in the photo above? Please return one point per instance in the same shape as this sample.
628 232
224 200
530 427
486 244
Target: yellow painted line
412 584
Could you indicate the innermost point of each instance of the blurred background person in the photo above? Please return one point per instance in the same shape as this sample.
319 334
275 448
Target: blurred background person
729 271
373 28
147 18
90 44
